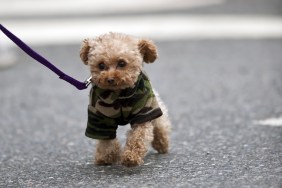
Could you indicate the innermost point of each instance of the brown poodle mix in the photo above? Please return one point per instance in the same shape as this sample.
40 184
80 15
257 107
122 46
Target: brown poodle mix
122 94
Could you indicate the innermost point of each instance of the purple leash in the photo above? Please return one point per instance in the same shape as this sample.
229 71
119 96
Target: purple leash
79 85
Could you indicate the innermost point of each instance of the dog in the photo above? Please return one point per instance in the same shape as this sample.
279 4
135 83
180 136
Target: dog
122 94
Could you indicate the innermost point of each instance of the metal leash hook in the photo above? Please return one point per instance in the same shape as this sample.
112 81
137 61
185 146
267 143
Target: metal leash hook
88 81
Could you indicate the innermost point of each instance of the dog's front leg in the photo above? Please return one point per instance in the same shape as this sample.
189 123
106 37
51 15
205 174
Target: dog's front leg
138 141
107 152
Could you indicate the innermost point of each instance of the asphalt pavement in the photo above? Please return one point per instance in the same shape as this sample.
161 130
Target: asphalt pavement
221 94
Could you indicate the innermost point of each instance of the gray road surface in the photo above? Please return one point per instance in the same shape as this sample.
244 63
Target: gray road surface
215 90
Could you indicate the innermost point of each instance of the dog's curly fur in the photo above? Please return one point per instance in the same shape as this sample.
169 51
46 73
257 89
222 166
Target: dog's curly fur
107 51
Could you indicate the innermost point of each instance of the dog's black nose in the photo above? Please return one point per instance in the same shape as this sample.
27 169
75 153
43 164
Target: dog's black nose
111 81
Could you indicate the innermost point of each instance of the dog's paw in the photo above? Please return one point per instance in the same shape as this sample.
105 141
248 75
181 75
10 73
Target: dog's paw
131 159
109 159
161 146
103 162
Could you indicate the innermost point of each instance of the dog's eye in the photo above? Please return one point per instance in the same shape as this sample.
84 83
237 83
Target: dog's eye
121 63
101 66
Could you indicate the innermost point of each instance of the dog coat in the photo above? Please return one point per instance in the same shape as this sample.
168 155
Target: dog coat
108 109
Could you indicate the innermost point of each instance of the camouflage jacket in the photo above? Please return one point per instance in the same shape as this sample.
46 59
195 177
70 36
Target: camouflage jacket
108 109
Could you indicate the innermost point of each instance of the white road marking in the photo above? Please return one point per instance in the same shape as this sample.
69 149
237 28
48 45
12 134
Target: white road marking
160 27
74 7
275 122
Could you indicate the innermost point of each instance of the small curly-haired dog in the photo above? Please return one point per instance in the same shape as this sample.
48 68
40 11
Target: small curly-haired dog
122 94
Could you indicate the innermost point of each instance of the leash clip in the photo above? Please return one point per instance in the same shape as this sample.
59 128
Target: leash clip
88 81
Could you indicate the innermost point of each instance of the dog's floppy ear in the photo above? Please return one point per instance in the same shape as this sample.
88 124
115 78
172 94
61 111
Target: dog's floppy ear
84 51
148 49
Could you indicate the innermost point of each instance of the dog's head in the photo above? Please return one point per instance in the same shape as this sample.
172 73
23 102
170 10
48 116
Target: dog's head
116 59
